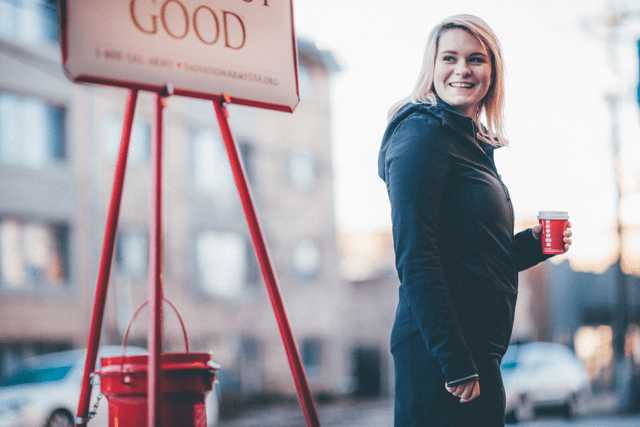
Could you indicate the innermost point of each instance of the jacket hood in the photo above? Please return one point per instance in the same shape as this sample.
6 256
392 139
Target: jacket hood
462 124
404 112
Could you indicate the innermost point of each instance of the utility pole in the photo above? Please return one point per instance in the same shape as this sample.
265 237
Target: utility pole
620 310
620 317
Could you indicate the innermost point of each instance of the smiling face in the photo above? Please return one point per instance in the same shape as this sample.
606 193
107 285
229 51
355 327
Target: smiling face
462 74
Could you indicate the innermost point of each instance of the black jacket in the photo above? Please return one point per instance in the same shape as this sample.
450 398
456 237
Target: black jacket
456 254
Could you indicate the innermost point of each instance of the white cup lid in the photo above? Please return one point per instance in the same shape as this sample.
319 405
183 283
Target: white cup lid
553 215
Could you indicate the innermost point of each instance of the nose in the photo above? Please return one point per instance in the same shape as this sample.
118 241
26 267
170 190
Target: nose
462 68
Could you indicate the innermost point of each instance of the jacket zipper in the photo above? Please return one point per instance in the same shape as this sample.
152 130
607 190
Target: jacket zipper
495 169
506 192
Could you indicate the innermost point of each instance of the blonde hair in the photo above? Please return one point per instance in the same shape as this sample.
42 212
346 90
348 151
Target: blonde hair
492 105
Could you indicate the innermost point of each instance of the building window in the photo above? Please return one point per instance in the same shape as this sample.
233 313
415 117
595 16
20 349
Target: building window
305 85
139 144
302 169
221 262
312 355
211 170
247 151
29 21
306 259
33 255
31 131
251 366
12 354
132 252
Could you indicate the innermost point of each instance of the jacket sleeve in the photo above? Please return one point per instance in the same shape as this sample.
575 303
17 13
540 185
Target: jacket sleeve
417 165
528 250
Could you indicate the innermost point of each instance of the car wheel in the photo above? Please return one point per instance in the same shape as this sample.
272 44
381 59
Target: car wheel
510 418
525 410
570 408
60 418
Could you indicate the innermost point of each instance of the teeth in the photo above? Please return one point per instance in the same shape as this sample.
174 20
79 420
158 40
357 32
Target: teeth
465 85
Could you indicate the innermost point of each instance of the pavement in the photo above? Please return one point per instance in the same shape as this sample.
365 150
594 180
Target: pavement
600 409
342 413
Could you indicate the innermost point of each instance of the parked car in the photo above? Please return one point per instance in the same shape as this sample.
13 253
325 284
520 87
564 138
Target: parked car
45 390
542 375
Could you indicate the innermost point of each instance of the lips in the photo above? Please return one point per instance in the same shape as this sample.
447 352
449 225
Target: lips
462 85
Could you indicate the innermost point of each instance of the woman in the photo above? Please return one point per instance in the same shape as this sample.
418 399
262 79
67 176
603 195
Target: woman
456 254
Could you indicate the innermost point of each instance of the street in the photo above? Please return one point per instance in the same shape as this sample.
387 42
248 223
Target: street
379 413
611 421
338 414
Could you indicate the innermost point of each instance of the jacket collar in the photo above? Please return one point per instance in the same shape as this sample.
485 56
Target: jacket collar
463 125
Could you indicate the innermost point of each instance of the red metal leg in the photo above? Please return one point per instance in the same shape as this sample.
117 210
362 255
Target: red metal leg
106 261
155 270
304 394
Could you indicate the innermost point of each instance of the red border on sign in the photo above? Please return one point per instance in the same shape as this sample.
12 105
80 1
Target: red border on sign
64 46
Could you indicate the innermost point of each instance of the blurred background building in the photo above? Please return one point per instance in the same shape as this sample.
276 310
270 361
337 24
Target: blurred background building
58 145
555 303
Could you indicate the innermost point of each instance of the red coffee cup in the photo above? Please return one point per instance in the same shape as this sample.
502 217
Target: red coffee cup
554 223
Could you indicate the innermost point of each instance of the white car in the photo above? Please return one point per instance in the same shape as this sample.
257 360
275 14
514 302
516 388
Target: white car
542 375
45 391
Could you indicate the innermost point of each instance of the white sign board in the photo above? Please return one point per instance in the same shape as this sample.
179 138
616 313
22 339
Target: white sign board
203 48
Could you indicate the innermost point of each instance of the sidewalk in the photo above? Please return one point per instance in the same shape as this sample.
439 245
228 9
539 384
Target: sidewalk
603 403
347 413
370 413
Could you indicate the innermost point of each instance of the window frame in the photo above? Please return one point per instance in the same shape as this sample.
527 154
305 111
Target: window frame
59 234
243 286
43 16
16 147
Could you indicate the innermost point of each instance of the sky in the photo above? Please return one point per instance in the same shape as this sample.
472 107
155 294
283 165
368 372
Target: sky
560 69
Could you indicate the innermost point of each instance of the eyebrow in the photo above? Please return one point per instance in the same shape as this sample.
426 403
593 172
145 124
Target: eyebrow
449 52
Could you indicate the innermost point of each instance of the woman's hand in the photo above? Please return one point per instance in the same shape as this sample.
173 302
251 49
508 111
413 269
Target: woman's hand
466 392
537 230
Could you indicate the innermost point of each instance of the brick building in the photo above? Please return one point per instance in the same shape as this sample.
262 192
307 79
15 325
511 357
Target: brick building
58 145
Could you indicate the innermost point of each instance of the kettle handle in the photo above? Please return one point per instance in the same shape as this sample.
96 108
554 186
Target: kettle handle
144 304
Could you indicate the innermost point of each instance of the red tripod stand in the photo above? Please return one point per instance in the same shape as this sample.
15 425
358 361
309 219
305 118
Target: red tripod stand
155 288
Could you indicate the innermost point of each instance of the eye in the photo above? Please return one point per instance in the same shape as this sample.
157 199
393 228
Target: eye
448 58
477 60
